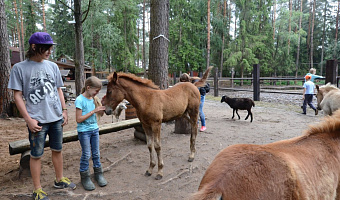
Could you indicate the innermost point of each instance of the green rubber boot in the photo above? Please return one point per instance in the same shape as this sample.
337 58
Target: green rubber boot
98 175
86 180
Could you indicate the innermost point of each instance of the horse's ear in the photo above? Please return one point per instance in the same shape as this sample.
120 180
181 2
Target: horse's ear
317 87
115 77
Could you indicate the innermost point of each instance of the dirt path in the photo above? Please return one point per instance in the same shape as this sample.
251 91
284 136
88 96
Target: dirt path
126 159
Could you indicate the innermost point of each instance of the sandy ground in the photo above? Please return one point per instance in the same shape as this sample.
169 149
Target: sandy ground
125 158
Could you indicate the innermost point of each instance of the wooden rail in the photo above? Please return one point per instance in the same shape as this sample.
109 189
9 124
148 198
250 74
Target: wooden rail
22 146
264 91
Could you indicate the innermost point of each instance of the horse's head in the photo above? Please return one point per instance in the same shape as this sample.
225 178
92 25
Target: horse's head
114 93
322 91
319 96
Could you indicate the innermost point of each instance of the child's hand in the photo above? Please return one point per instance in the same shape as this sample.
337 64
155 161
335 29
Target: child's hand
99 108
33 125
65 116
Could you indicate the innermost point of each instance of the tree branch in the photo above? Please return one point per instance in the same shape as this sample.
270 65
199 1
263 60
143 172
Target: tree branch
87 11
66 5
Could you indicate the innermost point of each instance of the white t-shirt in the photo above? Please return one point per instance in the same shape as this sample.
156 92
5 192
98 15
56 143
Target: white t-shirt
309 85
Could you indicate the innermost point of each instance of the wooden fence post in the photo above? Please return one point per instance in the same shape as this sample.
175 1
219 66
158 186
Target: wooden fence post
256 82
174 74
331 71
216 82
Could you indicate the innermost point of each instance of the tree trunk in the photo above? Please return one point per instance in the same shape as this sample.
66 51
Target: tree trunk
143 53
274 15
208 36
92 48
323 36
125 62
229 20
298 44
138 39
312 36
5 65
22 31
309 30
159 42
79 54
18 30
336 32
289 25
182 126
43 13
235 25
223 34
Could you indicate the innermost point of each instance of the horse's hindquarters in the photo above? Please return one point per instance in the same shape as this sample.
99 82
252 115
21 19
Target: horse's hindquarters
248 173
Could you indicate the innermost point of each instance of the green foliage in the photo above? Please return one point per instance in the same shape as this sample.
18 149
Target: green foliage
101 36
58 17
186 34
111 35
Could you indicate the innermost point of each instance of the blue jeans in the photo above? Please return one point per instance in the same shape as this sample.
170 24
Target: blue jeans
308 100
54 130
202 116
89 141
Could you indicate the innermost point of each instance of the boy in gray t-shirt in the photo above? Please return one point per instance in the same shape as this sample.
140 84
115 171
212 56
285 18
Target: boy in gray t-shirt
36 84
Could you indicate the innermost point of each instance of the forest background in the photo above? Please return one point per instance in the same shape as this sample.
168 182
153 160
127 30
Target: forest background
286 37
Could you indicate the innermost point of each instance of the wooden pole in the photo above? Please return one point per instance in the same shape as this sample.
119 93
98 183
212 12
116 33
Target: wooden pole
331 71
216 82
256 82
174 74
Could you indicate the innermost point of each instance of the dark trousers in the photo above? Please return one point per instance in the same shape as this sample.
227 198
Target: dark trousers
308 100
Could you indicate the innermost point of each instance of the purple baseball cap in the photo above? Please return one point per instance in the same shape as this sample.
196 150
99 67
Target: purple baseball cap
41 38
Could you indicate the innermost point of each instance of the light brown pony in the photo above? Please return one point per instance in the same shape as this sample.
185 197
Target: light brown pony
305 168
328 98
154 106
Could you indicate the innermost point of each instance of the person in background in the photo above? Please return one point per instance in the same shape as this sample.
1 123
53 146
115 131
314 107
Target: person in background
203 91
88 110
37 83
184 78
308 92
314 77
312 73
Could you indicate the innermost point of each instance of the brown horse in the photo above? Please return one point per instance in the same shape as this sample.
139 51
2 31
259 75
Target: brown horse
305 167
328 98
154 106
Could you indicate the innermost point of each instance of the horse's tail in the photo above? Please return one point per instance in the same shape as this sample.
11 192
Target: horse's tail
253 103
201 82
205 194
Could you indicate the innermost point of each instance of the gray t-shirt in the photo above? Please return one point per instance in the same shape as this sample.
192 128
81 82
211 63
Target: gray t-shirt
38 82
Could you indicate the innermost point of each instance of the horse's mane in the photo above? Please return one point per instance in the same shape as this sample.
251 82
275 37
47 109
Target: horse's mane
134 78
328 124
328 87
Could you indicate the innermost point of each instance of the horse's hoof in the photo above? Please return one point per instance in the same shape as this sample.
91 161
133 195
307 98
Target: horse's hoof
191 159
147 173
159 177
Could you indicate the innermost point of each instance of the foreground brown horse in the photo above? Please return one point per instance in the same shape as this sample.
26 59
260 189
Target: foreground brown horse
328 98
305 167
154 106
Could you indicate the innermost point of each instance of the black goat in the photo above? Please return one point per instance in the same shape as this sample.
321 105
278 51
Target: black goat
239 104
